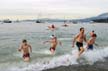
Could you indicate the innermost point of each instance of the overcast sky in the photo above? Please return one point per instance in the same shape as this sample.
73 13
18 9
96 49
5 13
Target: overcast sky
25 9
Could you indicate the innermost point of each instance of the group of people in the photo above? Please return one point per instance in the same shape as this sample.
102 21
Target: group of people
53 27
79 38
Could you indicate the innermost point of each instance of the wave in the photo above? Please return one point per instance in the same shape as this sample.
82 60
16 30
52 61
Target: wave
89 57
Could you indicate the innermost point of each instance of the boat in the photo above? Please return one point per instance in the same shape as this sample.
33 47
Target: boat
7 21
38 21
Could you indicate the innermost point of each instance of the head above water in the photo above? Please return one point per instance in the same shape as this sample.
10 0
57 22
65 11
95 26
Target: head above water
93 31
94 35
82 29
24 41
53 26
52 36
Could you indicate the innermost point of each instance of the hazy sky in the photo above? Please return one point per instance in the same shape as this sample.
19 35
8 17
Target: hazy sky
25 9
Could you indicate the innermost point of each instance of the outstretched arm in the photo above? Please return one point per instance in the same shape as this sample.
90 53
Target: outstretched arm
45 42
20 48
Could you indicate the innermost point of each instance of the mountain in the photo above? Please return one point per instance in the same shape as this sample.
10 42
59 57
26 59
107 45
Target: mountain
102 18
105 15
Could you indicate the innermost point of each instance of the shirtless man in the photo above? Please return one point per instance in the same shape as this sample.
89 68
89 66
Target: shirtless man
26 49
54 42
79 41
91 41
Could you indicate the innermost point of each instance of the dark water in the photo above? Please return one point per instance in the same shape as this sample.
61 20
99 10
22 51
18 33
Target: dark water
98 66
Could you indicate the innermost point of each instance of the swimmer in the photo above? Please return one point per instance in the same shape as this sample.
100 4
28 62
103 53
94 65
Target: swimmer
53 43
25 48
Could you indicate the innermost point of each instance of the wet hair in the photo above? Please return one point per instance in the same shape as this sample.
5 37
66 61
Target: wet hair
81 28
53 26
93 31
24 40
53 35
94 35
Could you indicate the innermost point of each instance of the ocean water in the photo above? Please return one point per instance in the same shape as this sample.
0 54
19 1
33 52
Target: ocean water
12 34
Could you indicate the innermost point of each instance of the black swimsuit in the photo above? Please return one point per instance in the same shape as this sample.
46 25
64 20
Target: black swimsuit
79 45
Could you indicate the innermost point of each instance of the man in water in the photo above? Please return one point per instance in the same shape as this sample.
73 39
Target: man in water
54 42
65 25
79 41
52 27
25 48
91 41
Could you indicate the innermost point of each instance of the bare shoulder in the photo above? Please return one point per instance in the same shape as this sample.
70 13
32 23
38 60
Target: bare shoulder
21 45
29 45
77 35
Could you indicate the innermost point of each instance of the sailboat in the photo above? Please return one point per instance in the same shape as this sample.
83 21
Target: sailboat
7 21
38 20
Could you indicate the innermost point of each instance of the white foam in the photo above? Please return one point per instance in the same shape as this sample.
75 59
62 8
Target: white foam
66 60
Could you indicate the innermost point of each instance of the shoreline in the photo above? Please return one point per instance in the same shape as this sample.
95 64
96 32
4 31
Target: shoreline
98 66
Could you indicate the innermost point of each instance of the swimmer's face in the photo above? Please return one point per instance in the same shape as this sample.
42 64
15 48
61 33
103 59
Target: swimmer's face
24 43
82 30
54 38
94 37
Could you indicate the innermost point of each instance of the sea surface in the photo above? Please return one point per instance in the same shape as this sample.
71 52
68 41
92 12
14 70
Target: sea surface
12 34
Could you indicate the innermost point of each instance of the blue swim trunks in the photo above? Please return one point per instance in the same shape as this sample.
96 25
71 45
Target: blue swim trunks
90 47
